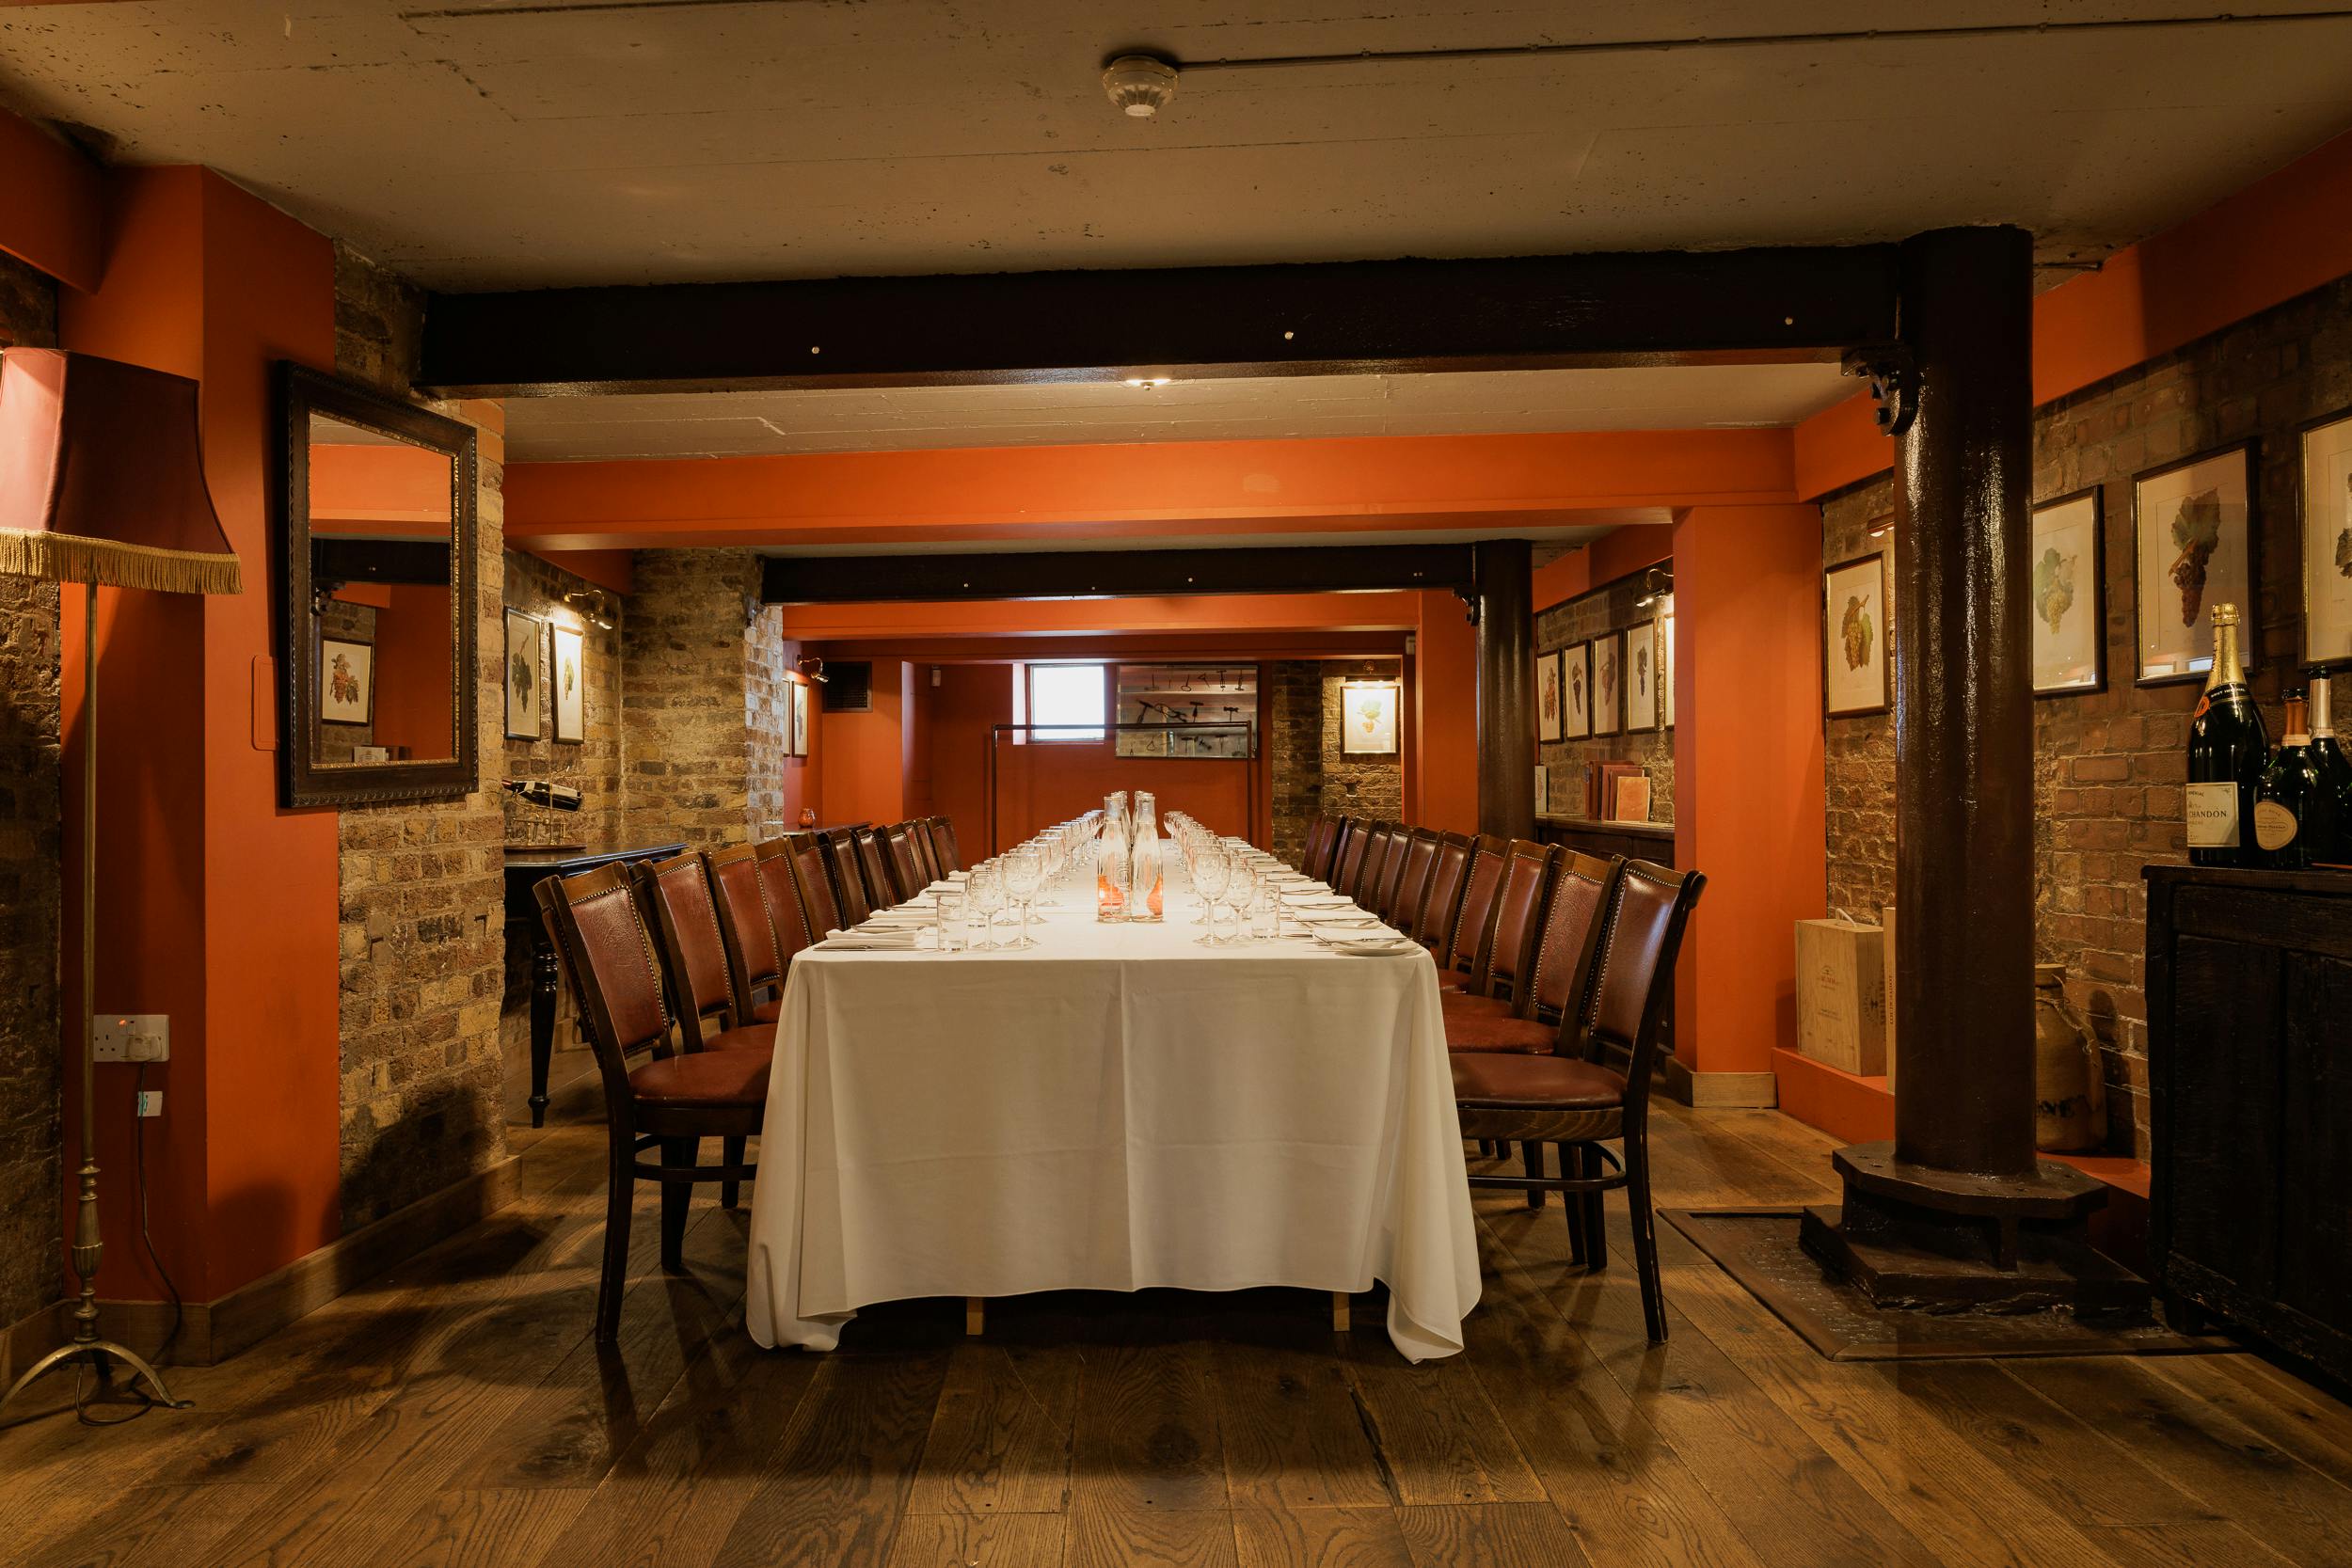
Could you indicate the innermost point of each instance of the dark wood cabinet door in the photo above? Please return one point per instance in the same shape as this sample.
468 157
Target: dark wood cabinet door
2316 1256
2223 1178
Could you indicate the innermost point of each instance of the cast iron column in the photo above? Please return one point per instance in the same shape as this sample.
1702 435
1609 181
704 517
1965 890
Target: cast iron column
1964 708
1505 602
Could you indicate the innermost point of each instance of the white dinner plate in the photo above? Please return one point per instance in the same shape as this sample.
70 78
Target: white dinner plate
1375 947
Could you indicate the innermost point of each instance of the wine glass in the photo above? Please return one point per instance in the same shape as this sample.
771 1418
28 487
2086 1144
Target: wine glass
987 891
1240 890
1211 876
1022 868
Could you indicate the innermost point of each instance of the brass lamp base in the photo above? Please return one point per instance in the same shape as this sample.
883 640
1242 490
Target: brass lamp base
98 1351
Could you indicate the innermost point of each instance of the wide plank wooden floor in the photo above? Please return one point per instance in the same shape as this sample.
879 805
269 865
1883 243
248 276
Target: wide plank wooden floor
456 1412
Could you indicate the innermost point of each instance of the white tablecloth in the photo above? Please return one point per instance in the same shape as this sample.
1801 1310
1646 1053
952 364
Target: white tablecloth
1114 1109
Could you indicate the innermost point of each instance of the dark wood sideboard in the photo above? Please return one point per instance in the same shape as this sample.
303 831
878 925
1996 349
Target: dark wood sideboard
2249 1099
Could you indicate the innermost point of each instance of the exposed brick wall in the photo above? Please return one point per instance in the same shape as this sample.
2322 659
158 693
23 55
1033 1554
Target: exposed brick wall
1368 787
32 1269
1294 750
2109 765
422 885
704 710
1609 607
592 766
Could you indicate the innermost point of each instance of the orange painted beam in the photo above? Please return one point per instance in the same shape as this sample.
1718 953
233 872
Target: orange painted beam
1140 646
2281 236
378 489
1140 490
612 569
52 204
1261 614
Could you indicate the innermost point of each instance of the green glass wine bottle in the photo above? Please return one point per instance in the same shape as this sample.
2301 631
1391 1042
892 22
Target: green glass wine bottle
2282 796
2328 818
2227 749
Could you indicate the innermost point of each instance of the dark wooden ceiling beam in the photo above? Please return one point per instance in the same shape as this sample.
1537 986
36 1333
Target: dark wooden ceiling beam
1113 574
1311 318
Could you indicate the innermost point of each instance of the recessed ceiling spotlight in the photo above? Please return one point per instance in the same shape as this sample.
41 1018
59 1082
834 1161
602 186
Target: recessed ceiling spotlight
1146 381
1139 85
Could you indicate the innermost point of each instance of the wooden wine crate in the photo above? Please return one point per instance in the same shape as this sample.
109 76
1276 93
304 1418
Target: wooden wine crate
1888 944
1841 994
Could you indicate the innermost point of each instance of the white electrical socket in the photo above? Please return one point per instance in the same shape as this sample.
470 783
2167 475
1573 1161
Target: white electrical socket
151 1103
131 1038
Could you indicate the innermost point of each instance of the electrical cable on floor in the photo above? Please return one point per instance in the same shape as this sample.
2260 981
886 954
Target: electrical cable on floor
138 1161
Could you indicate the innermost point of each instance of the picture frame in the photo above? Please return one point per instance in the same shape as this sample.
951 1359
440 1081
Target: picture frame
1640 678
2205 501
524 664
1666 667
1548 702
1608 683
346 681
2325 527
2068 594
1856 675
1628 798
1543 790
799 742
1576 682
569 682
1369 719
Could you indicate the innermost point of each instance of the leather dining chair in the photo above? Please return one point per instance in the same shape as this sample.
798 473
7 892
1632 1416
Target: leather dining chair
671 1103
752 960
906 872
1465 950
925 856
944 848
1528 868
794 930
838 849
1315 852
1569 1100
683 912
1365 889
1401 908
1531 1020
1433 922
1348 867
873 863
1326 866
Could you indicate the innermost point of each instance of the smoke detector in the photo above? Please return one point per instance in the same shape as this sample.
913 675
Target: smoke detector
1139 85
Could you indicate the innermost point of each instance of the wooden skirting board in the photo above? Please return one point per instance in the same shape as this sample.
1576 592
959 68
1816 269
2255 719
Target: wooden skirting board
1722 1090
212 1331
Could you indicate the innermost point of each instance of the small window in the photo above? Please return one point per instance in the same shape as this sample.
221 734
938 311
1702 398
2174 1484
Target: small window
1065 702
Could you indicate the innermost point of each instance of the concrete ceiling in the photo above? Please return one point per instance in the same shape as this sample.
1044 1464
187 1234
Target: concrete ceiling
734 424
502 143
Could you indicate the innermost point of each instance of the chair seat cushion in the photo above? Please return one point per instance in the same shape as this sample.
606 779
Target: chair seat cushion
769 1010
1459 1005
1489 1032
1454 979
703 1078
1504 1082
751 1036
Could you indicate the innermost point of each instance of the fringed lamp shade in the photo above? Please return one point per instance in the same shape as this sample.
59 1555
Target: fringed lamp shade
102 477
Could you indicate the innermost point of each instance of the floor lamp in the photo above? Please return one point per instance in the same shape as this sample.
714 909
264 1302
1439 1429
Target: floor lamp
101 481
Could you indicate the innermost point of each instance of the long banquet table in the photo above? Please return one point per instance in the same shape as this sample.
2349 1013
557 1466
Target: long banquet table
1114 1109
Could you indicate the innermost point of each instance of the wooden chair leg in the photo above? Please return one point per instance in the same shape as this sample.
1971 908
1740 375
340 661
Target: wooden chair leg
1644 1236
620 1192
676 1196
1343 1312
1532 1157
1596 1220
1573 1203
730 1191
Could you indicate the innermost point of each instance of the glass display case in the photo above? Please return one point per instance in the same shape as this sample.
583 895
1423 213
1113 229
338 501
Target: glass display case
1187 710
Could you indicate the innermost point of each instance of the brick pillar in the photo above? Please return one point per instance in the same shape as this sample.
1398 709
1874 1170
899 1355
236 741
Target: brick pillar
702 730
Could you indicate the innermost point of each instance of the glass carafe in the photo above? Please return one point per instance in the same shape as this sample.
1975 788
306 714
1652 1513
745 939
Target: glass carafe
1143 885
1111 869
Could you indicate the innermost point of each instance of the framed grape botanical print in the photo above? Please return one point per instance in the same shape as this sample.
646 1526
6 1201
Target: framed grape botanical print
1575 684
525 664
2069 596
1855 676
2192 548
2328 540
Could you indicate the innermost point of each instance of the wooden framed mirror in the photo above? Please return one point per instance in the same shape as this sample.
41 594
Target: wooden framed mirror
377 621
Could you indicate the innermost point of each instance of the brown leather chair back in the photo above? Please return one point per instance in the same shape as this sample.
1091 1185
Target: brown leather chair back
1466 948
814 887
944 848
906 871
1368 884
616 982
926 857
1347 869
1634 976
1528 868
1343 829
750 936
1316 851
1411 880
678 894
839 847
1573 922
873 863
1441 903
783 897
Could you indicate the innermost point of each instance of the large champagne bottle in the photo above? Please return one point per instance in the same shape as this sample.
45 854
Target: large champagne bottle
2328 816
2227 749
2282 798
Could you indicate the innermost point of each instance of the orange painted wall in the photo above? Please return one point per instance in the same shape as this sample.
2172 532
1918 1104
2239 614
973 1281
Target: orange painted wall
213 905
413 690
52 204
1749 808
861 757
1400 481
1441 775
